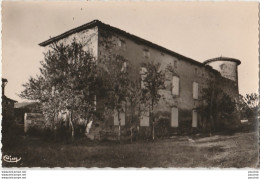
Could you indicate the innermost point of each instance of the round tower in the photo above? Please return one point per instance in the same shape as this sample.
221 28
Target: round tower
226 66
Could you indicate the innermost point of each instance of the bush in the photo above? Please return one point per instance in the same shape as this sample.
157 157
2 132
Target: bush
162 127
11 134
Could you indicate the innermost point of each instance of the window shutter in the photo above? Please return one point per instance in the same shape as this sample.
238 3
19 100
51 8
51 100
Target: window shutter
195 90
194 118
144 120
174 117
95 102
122 117
143 76
175 85
124 65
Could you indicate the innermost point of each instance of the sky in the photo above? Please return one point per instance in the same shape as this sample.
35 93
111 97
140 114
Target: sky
199 30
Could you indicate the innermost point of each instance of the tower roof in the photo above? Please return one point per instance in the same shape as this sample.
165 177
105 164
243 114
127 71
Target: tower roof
222 59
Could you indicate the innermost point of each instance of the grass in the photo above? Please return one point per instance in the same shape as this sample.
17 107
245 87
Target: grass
237 150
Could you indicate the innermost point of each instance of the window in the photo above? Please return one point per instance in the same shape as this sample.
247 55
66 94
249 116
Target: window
222 66
195 90
144 120
95 102
146 53
122 118
52 91
194 118
174 117
143 74
124 65
175 85
122 44
175 64
195 71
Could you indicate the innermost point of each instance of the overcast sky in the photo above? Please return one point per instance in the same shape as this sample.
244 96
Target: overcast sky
197 30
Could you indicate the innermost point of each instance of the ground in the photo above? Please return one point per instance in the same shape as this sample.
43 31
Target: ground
234 150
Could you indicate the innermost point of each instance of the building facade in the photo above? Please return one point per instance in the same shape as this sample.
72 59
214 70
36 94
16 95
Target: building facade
183 94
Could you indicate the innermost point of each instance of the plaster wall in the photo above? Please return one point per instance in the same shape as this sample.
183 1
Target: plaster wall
88 37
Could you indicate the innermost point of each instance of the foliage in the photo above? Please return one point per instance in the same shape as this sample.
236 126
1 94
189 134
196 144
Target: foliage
249 105
68 81
217 106
162 127
116 80
153 82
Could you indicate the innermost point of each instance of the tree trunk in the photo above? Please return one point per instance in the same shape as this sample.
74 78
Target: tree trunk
153 129
152 121
131 134
131 128
72 127
119 126
211 109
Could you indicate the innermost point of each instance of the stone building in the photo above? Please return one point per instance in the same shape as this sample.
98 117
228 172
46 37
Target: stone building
8 117
183 93
7 103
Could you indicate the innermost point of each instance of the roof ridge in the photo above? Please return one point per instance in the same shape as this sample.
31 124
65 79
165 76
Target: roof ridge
98 23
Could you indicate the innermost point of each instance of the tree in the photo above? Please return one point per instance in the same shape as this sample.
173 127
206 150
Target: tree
249 105
116 81
217 106
68 81
154 79
135 100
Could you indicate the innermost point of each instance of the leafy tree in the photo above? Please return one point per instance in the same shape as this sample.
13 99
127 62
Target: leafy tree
68 82
217 106
135 100
153 82
249 105
116 81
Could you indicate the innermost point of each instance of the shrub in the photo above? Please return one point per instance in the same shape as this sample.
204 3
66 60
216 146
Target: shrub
162 127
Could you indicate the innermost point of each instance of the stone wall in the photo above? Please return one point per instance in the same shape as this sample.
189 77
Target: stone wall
88 37
33 120
104 43
188 73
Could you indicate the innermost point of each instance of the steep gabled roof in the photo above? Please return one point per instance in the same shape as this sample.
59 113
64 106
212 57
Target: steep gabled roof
107 27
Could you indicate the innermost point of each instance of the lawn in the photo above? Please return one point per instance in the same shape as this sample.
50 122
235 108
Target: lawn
236 150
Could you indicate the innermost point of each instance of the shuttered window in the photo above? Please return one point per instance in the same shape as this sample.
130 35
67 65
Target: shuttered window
175 85
195 90
95 102
122 118
194 118
143 74
124 66
174 117
146 53
122 44
144 120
